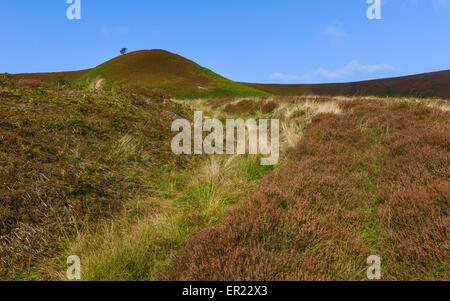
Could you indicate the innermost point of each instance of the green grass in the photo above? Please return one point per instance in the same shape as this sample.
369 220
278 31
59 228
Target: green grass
71 159
180 77
143 241
164 200
139 244
254 170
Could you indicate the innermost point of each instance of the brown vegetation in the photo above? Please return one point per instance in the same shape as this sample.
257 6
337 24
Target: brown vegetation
155 94
30 84
52 77
69 159
250 106
218 102
434 84
370 181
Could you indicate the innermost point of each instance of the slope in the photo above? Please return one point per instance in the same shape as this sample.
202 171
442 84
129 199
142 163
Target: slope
161 69
434 84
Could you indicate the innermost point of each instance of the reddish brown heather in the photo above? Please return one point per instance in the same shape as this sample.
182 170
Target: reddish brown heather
373 181
434 84
30 84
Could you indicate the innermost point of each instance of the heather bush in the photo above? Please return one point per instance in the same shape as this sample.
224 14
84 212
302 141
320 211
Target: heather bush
30 84
370 181
155 94
62 83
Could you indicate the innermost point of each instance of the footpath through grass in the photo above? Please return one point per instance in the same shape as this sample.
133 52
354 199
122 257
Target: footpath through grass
143 241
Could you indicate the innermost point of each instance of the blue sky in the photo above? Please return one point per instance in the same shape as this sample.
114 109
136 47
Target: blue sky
284 41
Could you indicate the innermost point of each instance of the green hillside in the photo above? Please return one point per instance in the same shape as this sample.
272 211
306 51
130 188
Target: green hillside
177 75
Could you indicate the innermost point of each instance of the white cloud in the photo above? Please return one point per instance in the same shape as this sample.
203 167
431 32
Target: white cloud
281 77
345 72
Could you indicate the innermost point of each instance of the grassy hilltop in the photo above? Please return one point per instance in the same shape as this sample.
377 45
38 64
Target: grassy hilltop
180 77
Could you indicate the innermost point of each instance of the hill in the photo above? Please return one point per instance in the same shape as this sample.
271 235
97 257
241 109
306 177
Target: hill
70 158
183 78
162 69
51 77
91 173
434 84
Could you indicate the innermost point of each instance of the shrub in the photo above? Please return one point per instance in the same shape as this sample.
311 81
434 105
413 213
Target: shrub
159 94
155 94
61 83
30 84
5 80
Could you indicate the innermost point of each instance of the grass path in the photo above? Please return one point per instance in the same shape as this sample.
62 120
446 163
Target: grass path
149 232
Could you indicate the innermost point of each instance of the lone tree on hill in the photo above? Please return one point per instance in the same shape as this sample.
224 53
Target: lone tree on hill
123 50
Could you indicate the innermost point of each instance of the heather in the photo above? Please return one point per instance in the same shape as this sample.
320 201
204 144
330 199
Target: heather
90 172
72 159
372 180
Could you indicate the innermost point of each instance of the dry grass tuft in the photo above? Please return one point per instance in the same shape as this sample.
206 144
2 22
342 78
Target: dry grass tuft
251 106
97 84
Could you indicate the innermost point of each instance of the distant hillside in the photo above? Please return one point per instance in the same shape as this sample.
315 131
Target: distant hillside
183 78
421 85
52 77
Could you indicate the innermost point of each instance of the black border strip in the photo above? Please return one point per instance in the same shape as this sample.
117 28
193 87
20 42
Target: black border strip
175 289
